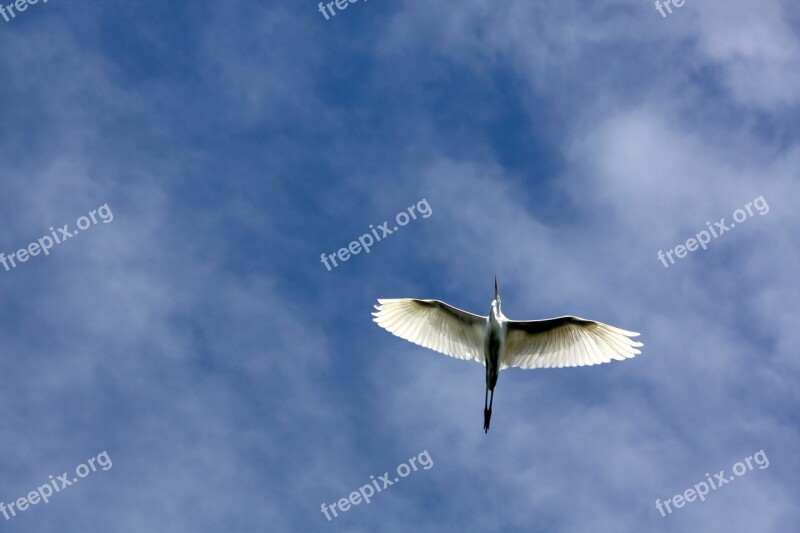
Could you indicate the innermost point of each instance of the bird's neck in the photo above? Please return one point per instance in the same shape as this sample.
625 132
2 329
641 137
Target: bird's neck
496 314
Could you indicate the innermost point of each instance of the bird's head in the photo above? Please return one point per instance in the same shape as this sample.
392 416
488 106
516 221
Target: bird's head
496 291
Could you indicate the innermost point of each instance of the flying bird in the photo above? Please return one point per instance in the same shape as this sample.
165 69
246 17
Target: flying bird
498 343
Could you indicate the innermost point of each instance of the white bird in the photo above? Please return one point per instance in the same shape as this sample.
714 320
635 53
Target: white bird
498 343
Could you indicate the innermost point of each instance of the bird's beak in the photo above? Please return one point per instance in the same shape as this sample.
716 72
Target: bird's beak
496 292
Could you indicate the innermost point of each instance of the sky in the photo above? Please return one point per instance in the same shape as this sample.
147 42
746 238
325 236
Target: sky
190 340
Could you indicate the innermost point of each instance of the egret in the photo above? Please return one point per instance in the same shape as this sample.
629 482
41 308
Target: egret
499 343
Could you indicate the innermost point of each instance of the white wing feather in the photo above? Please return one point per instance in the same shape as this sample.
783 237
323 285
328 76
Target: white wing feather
566 341
435 325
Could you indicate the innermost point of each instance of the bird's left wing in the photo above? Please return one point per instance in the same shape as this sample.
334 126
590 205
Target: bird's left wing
566 341
435 325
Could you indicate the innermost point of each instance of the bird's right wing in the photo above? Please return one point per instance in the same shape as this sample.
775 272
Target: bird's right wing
435 325
566 341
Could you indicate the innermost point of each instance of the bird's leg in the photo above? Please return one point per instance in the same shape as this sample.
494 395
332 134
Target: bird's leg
486 412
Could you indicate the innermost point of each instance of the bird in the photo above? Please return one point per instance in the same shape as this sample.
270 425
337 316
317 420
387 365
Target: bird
499 343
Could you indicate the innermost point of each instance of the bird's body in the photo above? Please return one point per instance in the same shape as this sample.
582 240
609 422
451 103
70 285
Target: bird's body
498 343
494 342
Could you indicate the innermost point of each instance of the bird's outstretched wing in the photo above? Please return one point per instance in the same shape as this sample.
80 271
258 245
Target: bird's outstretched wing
566 341
435 325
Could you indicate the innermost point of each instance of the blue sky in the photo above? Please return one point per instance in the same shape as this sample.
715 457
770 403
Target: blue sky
237 384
